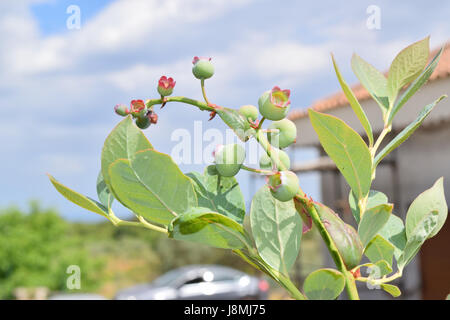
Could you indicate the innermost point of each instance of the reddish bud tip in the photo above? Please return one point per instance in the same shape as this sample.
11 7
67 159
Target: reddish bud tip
197 59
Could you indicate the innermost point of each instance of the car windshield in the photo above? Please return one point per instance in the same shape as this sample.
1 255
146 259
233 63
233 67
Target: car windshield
167 279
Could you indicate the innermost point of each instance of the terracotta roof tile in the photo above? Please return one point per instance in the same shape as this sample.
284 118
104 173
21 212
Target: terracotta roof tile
339 100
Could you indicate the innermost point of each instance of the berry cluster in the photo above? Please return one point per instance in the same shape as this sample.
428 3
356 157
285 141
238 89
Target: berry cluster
273 105
143 115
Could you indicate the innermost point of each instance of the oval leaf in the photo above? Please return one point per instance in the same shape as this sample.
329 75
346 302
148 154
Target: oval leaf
344 236
374 199
104 194
354 103
391 289
277 230
394 232
79 199
201 225
421 232
324 284
407 66
373 80
347 149
373 221
153 186
416 85
432 199
220 194
379 249
122 143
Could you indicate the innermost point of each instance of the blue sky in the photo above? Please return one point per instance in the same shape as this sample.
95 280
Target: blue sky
58 86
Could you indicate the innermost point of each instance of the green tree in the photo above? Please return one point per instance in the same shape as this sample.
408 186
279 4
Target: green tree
37 247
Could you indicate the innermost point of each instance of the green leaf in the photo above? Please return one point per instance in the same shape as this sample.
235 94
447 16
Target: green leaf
79 199
374 199
347 149
324 284
394 232
122 143
236 122
354 103
373 221
391 289
153 186
373 80
220 194
343 235
104 195
416 85
383 268
379 249
422 231
277 230
432 199
201 225
405 133
407 66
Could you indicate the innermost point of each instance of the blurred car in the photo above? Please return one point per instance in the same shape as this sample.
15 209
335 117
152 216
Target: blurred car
199 282
76 296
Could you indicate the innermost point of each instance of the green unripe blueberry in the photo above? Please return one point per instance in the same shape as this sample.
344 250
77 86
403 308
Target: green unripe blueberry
143 122
265 162
286 135
203 68
283 185
274 104
229 159
212 170
249 112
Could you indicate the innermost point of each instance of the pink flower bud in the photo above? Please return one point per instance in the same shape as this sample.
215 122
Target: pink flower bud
121 110
165 86
137 107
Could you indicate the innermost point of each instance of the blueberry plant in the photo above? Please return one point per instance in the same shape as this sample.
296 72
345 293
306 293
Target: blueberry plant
209 207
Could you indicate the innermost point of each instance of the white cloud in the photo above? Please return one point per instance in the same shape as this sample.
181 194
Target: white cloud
131 22
277 61
290 58
123 25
